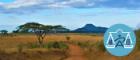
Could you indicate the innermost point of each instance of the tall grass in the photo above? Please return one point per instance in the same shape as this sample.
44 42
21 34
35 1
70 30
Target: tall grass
49 45
91 46
138 39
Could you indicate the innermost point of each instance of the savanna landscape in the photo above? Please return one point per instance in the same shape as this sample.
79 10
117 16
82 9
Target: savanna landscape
67 29
23 45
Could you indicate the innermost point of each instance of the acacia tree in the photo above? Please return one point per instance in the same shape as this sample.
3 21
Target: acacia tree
40 30
29 27
41 33
58 28
4 32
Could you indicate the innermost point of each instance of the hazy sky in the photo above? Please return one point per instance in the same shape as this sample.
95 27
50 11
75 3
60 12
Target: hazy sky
70 13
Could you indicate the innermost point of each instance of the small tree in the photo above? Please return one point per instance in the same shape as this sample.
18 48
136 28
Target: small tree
41 33
68 38
4 32
40 30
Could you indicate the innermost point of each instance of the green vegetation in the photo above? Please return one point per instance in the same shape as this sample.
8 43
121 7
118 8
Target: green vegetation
100 46
49 45
90 46
138 39
38 29
56 45
68 38
4 32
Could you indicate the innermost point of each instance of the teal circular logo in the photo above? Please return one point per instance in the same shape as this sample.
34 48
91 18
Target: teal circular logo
119 40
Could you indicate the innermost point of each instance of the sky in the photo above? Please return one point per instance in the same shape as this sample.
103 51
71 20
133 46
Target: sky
70 13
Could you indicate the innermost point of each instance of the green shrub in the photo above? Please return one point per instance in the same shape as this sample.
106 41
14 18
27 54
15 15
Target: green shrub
56 45
32 45
89 45
68 38
83 44
20 48
100 46
138 39
49 45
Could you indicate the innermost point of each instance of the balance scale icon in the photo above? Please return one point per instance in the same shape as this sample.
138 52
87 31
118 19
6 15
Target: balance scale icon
127 43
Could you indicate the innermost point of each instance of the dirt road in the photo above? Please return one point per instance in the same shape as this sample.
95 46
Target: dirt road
75 53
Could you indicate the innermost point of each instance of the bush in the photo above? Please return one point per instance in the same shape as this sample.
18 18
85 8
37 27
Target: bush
83 44
100 46
20 48
32 45
68 38
49 45
56 45
138 39
92 45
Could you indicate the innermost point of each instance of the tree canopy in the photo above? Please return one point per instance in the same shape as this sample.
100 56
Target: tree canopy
4 32
31 27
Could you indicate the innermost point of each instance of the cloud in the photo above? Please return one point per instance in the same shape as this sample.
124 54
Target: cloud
64 4
19 3
129 4
109 12
29 6
19 6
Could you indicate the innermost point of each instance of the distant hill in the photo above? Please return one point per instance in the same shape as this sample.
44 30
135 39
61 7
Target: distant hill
90 28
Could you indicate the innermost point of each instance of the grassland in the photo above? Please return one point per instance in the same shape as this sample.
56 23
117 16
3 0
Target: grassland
22 47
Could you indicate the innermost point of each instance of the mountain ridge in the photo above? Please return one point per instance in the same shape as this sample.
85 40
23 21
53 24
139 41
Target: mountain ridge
90 28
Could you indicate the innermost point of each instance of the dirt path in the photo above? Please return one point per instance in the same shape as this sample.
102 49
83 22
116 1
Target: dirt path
75 53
